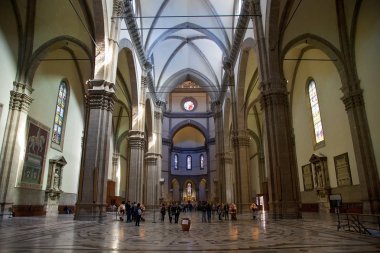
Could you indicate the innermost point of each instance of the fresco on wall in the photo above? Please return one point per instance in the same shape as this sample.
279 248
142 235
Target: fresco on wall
35 153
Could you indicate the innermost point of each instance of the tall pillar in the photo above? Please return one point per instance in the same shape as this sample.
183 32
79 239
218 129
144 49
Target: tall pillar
115 168
92 192
364 154
13 148
152 186
243 184
284 200
136 143
216 108
230 179
283 184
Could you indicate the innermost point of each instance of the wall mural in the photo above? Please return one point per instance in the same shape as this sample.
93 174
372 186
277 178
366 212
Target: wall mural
35 153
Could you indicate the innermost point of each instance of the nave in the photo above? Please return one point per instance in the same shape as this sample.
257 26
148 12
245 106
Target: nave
312 233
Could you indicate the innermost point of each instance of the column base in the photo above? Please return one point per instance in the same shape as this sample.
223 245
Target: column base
90 212
284 210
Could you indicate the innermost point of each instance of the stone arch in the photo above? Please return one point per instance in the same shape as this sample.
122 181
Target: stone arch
126 47
312 41
67 43
192 123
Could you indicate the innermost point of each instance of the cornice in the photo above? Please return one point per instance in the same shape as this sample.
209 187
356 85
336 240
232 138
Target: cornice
172 115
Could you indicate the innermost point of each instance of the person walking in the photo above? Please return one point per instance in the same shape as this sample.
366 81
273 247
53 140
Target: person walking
138 214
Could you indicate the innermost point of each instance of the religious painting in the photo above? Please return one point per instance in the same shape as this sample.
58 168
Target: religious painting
342 168
307 174
35 153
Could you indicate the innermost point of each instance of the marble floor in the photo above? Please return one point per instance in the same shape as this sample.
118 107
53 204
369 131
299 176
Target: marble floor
312 233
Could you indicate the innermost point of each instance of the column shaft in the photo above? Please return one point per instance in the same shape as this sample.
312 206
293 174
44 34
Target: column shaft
92 192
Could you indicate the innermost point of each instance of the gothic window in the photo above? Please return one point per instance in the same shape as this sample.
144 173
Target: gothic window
314 106
201 160
59 116
176 162
188 162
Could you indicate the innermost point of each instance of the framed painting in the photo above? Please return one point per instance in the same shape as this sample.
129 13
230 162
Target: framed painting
343 171
37 139
307 174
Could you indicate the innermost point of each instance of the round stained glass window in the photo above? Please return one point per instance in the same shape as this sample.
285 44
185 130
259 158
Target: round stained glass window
189 104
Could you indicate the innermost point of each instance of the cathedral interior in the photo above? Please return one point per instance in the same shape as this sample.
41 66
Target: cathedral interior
188 101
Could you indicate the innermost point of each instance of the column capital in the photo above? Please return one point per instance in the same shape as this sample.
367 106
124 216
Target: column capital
118 7
22 88
353 99
136 139
273 97
240 140
101 99
20 101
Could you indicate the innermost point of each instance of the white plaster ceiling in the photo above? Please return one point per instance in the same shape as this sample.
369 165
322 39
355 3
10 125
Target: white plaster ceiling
186 40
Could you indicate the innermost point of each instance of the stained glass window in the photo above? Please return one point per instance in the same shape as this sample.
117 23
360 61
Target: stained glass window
188 162
314 105
59 116
176 162
201 159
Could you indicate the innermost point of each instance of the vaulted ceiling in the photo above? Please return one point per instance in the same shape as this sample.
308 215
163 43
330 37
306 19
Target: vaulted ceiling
186 40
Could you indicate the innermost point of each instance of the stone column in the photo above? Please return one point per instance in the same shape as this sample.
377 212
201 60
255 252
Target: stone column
216 108
157 132
92 192
136 142
364 154
283 184
284 200
115 168
152 187
230 179
243 184
14 144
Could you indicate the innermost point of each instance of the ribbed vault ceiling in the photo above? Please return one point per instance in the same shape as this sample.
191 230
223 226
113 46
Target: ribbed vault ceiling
186 40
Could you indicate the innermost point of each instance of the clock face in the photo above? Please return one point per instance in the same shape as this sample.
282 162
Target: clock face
188 105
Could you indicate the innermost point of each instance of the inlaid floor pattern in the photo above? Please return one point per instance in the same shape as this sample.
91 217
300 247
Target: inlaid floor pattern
312 233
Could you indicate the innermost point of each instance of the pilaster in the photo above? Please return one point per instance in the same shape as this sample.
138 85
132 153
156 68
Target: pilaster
92 192
14 143
364 154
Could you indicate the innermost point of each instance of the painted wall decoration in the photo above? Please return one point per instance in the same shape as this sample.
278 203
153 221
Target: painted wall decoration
35 153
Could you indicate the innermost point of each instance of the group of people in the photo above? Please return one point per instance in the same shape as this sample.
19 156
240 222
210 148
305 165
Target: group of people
173 209
134 212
